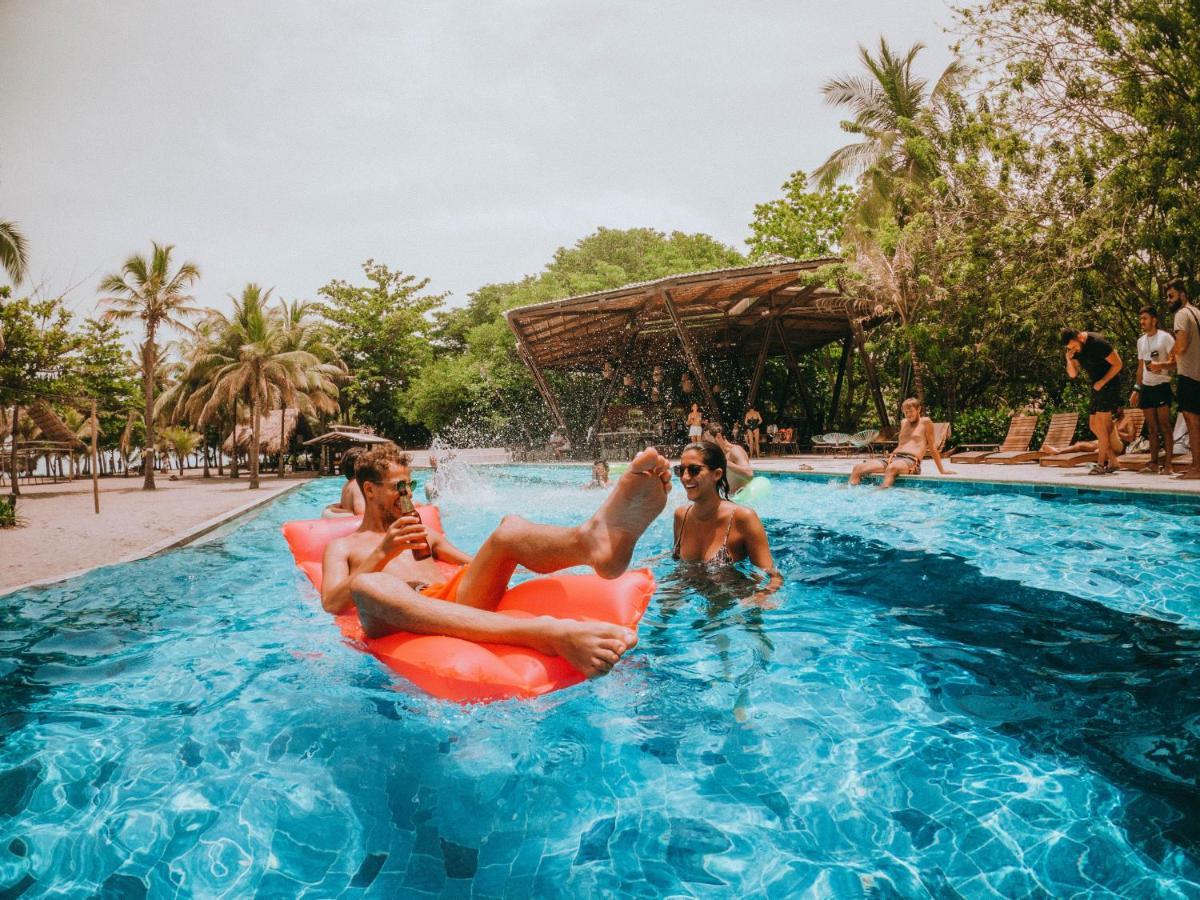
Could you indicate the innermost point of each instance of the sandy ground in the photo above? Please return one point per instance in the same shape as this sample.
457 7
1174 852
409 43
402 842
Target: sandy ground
61 534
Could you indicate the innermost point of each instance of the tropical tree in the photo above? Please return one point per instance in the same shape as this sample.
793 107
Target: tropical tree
886 102
183 441
146 288
14 251
251 360
316 395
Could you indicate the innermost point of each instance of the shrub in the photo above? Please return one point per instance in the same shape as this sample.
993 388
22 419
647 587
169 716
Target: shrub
8 512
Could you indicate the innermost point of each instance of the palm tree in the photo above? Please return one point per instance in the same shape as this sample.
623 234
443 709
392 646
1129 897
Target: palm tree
253 361
317 394
182 440
147 289
14 251
885 101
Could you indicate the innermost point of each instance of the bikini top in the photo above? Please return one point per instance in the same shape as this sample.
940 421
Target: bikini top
719 560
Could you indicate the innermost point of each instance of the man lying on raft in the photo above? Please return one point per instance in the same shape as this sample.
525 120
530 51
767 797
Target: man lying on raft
916 438
374 570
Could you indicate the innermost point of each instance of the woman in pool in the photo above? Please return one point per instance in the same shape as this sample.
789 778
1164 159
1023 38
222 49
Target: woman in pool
712 530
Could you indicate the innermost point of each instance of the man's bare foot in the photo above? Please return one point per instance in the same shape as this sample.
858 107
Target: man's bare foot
638 497
591 647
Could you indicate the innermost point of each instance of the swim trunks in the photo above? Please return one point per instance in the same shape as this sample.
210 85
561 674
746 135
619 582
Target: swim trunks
445 590
694 431
1189 395
914 464
1107 399
1152 396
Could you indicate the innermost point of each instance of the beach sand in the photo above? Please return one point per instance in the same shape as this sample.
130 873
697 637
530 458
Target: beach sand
62 535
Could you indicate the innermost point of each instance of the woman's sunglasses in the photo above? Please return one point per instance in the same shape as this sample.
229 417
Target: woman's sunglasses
693 470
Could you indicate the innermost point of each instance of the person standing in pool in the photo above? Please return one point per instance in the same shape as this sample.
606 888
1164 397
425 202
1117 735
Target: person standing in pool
753 421
711 529
1152 391
375 570
737 462
1102 364
599 476
351 502
916 439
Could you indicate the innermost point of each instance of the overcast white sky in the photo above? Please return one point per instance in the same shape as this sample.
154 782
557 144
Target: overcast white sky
286 142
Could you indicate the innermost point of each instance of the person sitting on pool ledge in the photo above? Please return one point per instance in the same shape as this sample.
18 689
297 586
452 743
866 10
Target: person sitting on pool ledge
351 502
916 438
712 518
374 569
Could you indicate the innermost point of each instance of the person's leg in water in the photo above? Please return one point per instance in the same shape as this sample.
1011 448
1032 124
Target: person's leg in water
870 467
605 542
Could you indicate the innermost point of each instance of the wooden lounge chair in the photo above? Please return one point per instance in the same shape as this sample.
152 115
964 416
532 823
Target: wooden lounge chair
1018 439
941 434
1135 461
1060 433
1083 457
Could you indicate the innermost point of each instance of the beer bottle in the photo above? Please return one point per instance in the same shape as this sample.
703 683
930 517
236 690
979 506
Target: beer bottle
407 509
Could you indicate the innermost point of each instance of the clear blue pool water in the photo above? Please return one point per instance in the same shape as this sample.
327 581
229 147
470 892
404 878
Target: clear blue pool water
981 695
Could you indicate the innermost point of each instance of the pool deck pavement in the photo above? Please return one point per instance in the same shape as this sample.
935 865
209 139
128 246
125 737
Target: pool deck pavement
1020 473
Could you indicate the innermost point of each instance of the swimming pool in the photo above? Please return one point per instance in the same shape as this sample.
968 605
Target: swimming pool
987 694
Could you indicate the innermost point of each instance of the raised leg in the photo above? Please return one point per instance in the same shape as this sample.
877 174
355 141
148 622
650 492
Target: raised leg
870 467
605 542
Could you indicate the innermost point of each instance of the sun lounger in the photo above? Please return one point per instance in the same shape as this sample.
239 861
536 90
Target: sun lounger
1060 433
1066 460
1135 461
1018 439
941 434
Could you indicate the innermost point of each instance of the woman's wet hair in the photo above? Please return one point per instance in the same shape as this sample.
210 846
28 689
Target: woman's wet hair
349 461
714 458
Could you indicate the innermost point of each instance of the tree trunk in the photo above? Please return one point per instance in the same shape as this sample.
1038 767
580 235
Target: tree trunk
233 457
254 430
207 474
12 463
918 379
282 434
148 354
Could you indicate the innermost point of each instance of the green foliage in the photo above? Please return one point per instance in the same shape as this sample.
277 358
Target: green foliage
803 224
104 369
382 331
8 512
40 349
478 391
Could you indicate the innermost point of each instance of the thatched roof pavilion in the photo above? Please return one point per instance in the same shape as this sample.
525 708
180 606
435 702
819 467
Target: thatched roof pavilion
341 438
273 433
760 311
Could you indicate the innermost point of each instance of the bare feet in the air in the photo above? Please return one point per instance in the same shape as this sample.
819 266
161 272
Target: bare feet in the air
591 647
639 496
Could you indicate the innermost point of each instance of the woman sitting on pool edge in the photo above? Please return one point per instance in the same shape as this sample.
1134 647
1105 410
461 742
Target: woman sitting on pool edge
712 530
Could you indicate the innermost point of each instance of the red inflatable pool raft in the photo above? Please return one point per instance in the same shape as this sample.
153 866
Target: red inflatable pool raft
464 671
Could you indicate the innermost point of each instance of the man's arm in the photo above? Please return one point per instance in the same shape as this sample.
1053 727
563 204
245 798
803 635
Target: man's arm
1072 364
444 551
933 448
1114 366
1182 340
737 461
1138 383
337 572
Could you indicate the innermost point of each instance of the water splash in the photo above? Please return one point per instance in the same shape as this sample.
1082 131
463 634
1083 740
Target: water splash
453 480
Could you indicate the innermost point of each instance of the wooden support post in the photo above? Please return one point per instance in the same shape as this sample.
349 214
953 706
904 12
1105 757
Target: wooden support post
689 353
759 365
15 488
794 367
860 341
95 462
542 385
847 347
608 391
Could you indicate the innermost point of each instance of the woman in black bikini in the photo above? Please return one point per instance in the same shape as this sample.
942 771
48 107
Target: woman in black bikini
712 530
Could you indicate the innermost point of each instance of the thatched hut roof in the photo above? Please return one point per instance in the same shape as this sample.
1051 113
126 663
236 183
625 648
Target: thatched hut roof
348 435
269 437
52 427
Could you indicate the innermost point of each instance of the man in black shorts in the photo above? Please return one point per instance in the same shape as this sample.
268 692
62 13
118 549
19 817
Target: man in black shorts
1185 358
1102 365
1152 391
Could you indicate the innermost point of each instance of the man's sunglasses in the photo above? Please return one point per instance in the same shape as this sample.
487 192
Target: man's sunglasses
693 470
400 486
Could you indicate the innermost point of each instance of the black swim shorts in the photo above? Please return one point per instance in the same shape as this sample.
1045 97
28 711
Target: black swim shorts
1189 395
1107 399
1152 396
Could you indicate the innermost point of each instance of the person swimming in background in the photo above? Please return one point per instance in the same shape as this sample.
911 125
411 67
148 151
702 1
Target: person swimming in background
711 530
599 476
737 468
375 571
351 502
